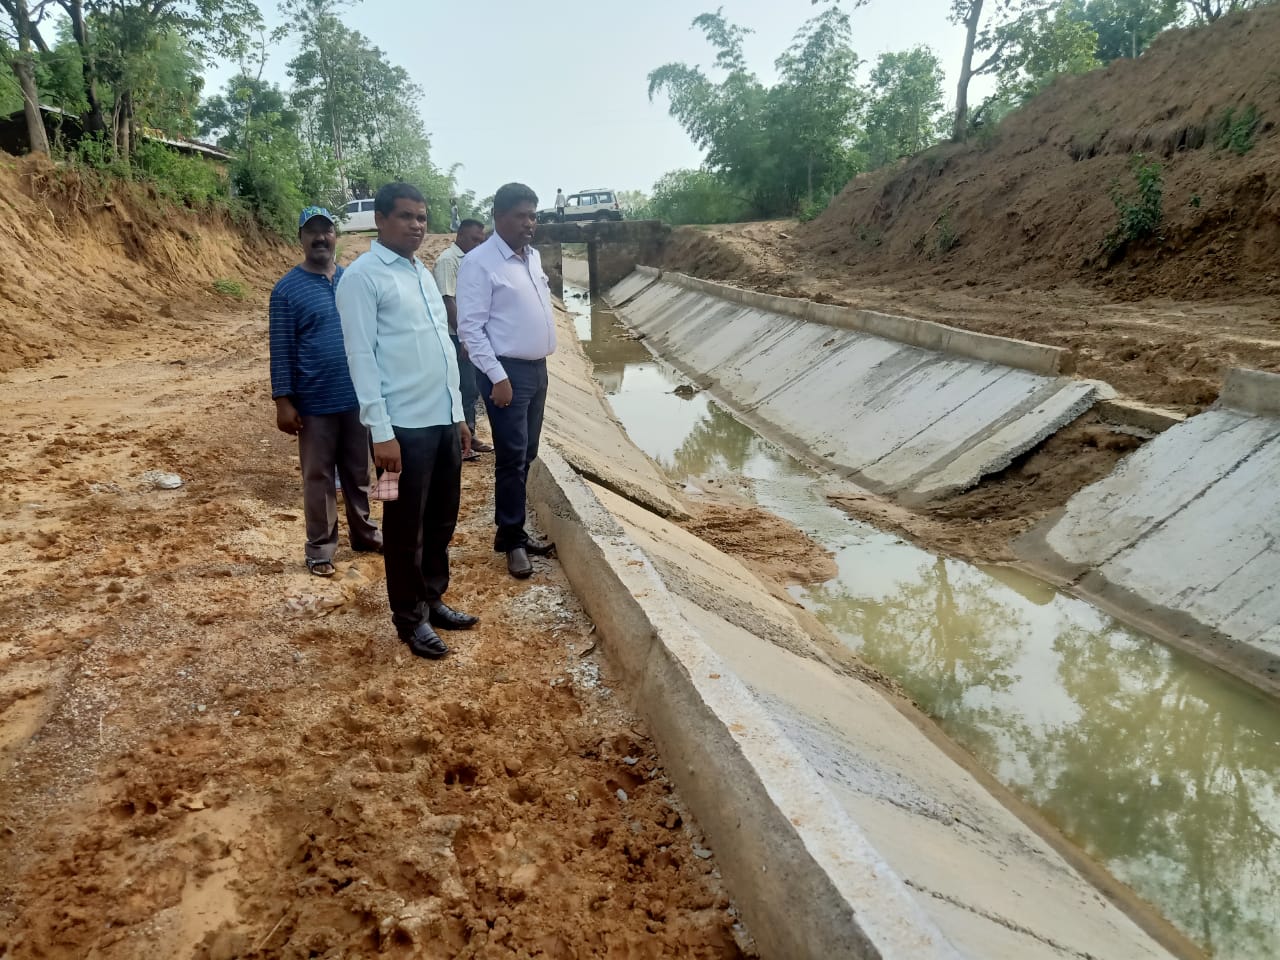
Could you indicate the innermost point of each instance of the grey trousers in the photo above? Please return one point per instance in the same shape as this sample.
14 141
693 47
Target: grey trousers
341 441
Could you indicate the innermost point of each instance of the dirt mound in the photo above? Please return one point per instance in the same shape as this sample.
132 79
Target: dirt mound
1030 202
82 265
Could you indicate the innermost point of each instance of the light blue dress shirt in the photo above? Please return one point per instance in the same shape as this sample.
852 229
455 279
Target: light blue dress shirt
403 364
504 307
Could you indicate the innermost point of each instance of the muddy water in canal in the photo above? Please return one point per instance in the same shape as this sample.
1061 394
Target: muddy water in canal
1167 773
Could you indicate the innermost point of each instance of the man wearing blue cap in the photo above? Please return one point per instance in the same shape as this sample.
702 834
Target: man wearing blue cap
314 396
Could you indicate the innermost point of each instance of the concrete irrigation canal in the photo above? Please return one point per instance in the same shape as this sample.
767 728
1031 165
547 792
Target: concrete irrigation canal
1111 797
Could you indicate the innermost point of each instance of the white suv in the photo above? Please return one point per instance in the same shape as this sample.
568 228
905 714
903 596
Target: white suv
597 204
359 216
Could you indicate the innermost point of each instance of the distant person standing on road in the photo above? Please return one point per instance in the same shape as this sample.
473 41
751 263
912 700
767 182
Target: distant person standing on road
470 235
315 399
405 373
455 218
560 205
506 324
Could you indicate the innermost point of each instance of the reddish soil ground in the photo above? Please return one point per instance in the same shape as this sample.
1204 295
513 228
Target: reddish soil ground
207 753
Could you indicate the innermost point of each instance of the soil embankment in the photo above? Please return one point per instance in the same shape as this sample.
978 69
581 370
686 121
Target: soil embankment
1004 234
207 752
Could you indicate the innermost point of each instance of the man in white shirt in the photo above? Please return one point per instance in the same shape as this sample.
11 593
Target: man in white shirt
560 205
405 372
470 235
506 324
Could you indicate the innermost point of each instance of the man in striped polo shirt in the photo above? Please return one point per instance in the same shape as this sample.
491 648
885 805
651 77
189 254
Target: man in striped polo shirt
315 399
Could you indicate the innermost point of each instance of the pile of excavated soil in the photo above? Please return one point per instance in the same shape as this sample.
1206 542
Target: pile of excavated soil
1004 234
205 752
1030 203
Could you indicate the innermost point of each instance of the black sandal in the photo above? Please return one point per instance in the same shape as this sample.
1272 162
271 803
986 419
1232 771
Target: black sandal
321 568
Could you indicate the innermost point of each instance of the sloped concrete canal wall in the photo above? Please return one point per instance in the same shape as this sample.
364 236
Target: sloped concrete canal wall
903 406
839 827
1185 532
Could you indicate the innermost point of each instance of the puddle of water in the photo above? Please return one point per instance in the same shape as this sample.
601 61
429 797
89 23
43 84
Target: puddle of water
1165 772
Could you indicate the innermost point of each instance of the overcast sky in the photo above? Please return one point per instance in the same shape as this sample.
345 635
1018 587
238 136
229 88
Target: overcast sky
555 94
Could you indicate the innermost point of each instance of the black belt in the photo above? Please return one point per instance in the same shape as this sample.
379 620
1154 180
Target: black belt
507 360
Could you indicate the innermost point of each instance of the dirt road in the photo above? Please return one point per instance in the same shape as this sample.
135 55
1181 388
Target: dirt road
207 753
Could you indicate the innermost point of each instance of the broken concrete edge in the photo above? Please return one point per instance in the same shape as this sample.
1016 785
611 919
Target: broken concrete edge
807 882
1137 416
1241 662
1253 391
1021 354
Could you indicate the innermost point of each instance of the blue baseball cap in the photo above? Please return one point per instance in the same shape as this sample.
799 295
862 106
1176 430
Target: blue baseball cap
309 213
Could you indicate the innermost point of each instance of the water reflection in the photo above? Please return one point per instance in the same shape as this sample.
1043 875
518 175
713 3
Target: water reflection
1166 773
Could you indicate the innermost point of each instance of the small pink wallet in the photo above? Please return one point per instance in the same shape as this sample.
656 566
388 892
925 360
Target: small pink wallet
387 487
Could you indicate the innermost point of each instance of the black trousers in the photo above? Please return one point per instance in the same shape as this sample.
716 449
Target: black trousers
516 431
417 528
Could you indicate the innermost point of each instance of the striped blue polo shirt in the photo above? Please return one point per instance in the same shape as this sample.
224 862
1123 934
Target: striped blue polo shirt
308 359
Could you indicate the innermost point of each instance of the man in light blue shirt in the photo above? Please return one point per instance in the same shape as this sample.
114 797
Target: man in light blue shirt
506 324
405 373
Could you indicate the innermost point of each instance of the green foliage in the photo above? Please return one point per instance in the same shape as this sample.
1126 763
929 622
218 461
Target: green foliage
770 146
635 204
1236 131
229 288
945 237
1139 211
811 207
1038 46
1125 28
192 181
696 196
904 111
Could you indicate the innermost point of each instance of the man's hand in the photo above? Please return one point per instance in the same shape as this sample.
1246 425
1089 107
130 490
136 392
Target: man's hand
464 434
387 455
287 417
502 395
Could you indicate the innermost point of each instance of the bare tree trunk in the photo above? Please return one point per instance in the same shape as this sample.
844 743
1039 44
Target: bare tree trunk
94 121
22 64
961 125
121 119
36 135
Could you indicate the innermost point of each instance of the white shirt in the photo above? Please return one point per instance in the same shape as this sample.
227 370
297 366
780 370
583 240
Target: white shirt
504 307
446 270
559 199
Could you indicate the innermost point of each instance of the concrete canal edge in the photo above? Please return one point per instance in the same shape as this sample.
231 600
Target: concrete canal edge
1180 539
806 879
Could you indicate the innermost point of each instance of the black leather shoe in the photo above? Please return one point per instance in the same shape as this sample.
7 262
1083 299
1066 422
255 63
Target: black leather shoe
442 615
518 564
539 548
424 642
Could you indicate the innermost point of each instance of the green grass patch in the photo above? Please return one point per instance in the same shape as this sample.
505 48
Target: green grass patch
229 288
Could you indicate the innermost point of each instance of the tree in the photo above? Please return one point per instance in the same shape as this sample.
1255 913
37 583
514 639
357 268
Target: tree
148 55
1040 45
771 146
1207 11
905 105
1125 27
980 38
816 104
26 40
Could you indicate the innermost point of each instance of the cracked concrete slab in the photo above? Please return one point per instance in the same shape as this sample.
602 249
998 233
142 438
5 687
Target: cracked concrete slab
896 416
1185 532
